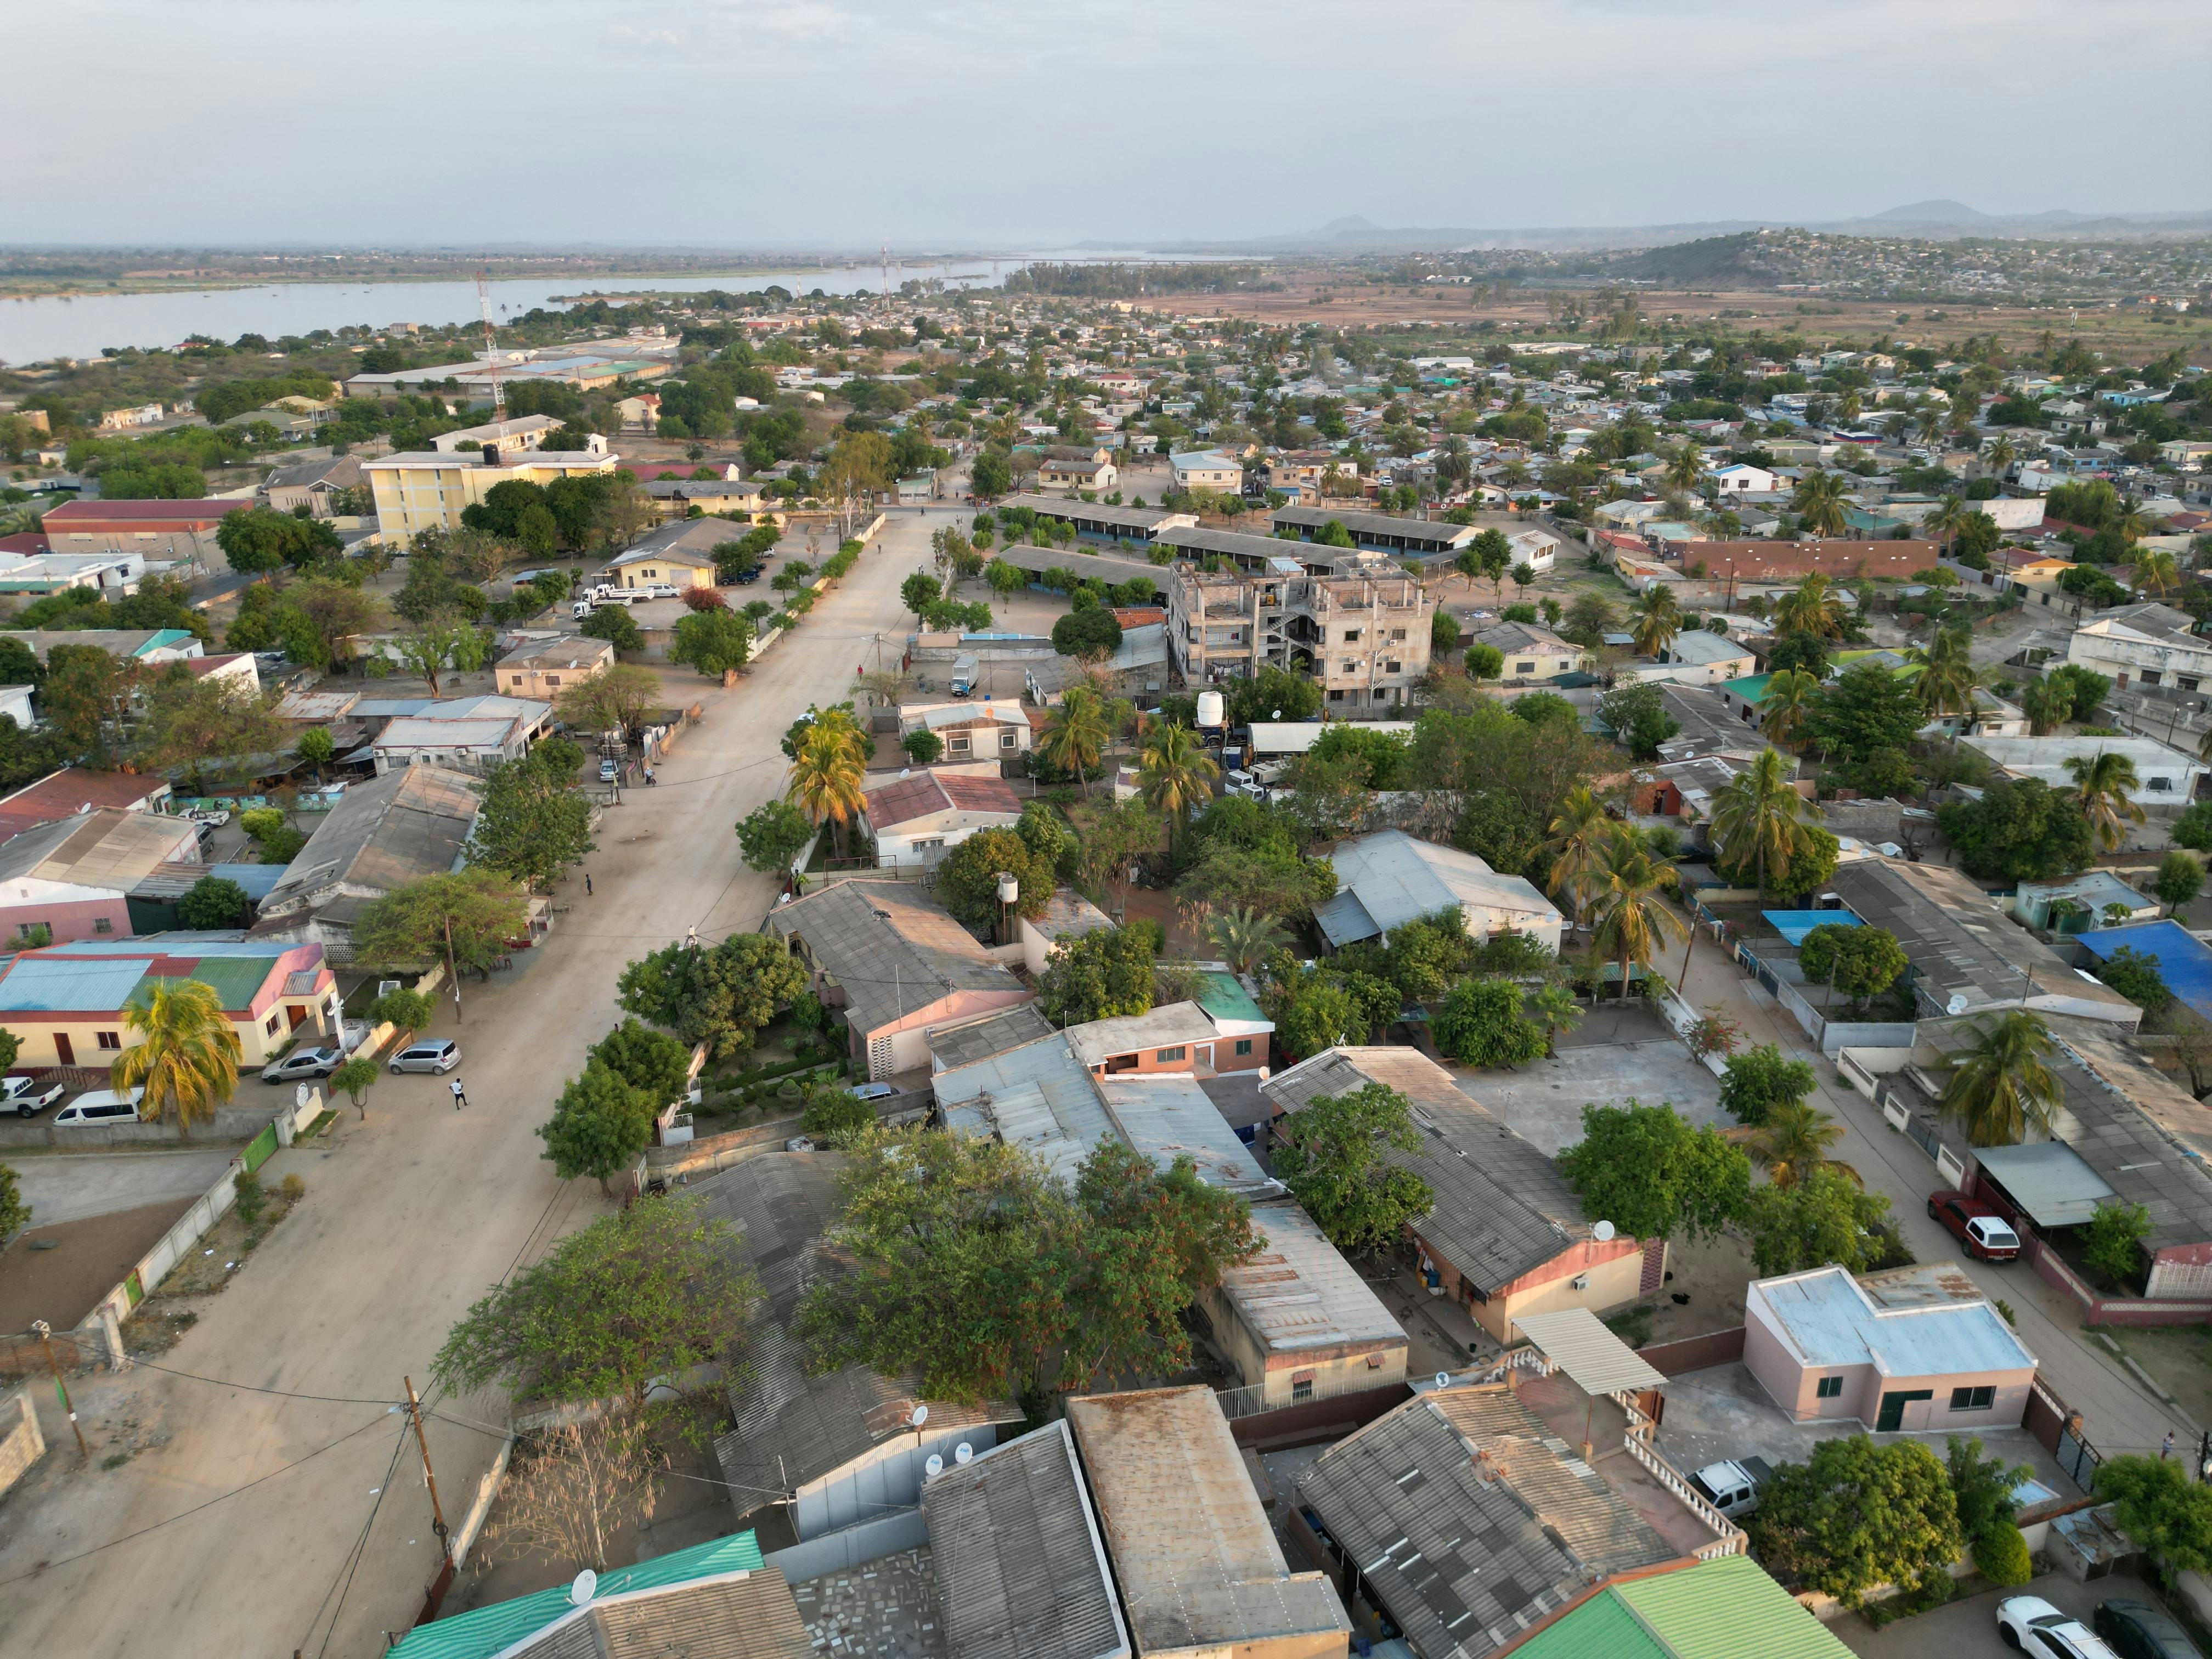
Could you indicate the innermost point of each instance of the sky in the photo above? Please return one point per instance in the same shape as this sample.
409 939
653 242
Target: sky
842 124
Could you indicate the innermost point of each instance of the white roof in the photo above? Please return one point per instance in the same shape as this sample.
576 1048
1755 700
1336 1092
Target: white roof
1595 1359
1396 879
1295 737
1697 645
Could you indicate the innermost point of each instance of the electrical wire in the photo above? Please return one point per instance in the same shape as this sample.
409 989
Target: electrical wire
350 1564
248 1388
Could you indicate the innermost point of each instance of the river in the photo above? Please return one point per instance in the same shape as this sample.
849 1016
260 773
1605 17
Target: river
33 329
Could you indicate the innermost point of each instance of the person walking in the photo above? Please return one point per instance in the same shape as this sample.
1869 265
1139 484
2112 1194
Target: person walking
588 883
460 1097
2165 1447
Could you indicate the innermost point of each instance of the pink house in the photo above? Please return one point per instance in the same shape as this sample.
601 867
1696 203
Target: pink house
895 963
1916 1348
73 877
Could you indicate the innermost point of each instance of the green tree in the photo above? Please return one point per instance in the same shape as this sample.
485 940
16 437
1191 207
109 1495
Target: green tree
1820 1217
653 1062
1865 708
1105 975
648 1291
1654 619
610 622
2018 831
1638 718
1629 921
199 724
600 1127
2112 1244
186 1058
355 1079
318 748
1795 1141
212 901
1174 772
1649 1172
2161 1508
2003 1086
772 835
826 778
1485 662
1946 681
723 995
1760 1080
1579 837
534 821
1860 961
2104 784
1075 734
1481 1022
1273 694
2135 976
968 880
711 641
2180 878
919 591
1982 1487
1314 1013
1759 820
15 1214
1854 1516
834 1117
1554 1009
1334 1155
1091 634
403 1010
465 919
1244 937
1787 703
258 539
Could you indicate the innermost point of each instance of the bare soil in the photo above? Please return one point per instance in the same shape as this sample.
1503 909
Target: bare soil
60 1285
1711 1273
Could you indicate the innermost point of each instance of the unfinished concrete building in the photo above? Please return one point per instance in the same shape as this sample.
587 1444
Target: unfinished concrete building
1363 634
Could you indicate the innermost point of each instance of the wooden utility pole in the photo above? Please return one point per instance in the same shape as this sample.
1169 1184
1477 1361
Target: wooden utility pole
61 1387
452 973
437 1513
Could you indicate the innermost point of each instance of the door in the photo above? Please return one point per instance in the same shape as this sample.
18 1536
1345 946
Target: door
67 1055
1892 1416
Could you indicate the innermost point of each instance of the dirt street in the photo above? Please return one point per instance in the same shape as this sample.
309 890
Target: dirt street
261 1498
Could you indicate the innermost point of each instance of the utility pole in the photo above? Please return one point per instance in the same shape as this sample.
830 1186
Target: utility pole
452 973
437 1513
61 1387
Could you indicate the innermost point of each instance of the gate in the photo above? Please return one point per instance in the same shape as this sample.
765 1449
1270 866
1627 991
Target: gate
258 1149
2077 1457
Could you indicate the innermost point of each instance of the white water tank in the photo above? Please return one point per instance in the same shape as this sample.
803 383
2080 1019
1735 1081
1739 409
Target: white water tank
1209 708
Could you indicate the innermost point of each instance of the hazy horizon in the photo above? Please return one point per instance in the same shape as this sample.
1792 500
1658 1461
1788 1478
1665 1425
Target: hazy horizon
832 126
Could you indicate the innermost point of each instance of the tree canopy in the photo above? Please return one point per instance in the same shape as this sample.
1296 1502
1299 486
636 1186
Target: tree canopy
1645 1169
1105 975
1334 1157
1856 1516
2019 830
723 995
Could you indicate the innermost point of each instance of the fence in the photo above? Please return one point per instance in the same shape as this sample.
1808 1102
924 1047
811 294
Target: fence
1694 1353
1729 1539
2097 1309
1250 1401
703 1158
22 1443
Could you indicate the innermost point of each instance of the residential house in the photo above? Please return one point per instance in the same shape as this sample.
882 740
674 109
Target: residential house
1275 740
72 790
830 1450
640 412
471 733
1741 478
382 835
916 818
73 877
148 646
990 730
1068 915
1506 1237
1725 1605
1204 469
677 498
1532 651
1379 533
2075 904
1537 549
895 963
1063 472
678 555
156 529
1388 878
1365 639
1177 1036
64 1005
538 670
2144 645
122 420
16 704
1096 521
429 490
2165 776
1201 1573
506 437
315 485
1694 657
1297 1320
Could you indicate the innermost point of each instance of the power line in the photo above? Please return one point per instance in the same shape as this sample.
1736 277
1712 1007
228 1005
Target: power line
248 1388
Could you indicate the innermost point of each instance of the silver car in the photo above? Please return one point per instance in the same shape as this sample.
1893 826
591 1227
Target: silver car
439 1057
303 1062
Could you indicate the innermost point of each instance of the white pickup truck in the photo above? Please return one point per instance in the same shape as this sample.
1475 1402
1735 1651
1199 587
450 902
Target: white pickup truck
25 1098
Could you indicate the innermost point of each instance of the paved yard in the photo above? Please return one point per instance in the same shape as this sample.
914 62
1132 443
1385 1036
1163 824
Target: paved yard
886 1609
1544 1100
72 1186
1968 1629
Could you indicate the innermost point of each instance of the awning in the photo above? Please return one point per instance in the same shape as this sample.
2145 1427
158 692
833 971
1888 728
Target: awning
2047 1180
1594 1358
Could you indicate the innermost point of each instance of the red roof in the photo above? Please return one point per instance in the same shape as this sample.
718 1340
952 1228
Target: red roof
91 518
199 665
31 541
61 794
1754 560
926 793
972 794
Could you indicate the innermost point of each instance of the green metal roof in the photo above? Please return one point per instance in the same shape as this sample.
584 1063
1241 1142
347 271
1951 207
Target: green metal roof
1751 687
483 1631
1221 996
237 979
1727 1608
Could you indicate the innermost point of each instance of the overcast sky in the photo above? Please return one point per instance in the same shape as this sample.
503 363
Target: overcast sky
847 122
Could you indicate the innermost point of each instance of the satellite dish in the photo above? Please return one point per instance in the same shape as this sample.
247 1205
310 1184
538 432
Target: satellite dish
580 1592
918 1417
1602 1233
935 1466
1444 1379
963 1453
1957 1004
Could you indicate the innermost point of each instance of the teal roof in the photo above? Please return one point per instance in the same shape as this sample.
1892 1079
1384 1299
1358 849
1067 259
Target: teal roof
163 639
1751 687
483 1631
1225 998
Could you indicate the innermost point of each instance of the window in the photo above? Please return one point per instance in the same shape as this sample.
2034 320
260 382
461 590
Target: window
273 1021
1336 696
1352 636
1244 1045
1524 667
1397 634
1005 739
1302 1386
1349 667
2150 677
103 925
514 680
1166 1055
109 1039
1974 1400
958 747
1394 667
1831 1387
552 682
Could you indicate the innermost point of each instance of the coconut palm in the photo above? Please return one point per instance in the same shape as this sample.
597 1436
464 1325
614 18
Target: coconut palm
1579 836
2155 571
2000 456
1947 672
1931 420
2004 1085
2045 705
1685 467
1555 1008
1819 502
1760 817
2104 781
1786 702
1947 519
1793 1142
1075 734
1631 919
1173 772
1811 607
2132 522
186 1058
1655 618
1243 937
825 779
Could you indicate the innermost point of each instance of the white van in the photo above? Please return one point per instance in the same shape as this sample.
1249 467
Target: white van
100 1108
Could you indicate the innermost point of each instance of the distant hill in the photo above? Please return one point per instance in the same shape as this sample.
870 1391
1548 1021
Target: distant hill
1750 259
1943 212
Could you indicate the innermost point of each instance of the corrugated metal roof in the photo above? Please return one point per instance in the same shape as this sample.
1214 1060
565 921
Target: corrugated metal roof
1166 1115
1038 1097
1723 1609
956 1045
382 835
1398 879
2047 1179
1600 1628
1299 1292
1829 1319
1020 1567
892 949
1168 1025
1594 1358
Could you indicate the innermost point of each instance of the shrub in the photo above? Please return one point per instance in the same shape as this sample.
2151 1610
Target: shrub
292 1188
2001 1555
251 1200
834 1115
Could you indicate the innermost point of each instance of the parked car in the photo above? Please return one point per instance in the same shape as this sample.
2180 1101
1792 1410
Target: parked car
609 770
1732 1488
1979 1226
302 1063
872 1091
659 591
100 1107
441 1054
2041 1631
2136 1629
25 1098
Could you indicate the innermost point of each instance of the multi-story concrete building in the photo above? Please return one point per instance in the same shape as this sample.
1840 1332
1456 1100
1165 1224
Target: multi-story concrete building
1364 637
427 489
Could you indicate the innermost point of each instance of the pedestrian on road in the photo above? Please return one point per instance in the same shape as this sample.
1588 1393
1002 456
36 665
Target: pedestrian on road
649 778
2165 1447
588 883
461 1099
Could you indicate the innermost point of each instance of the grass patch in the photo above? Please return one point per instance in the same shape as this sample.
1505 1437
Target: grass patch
1633 1325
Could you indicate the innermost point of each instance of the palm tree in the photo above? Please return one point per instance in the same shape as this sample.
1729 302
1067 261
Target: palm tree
2155 571
1786 702
1579 836
1793 1142
1173 771
1075 734
2005 1086
2131 521
1555 1008
2000 456
1947 672
1685 467
1930 422
187 1061
2104 781
1657 618
1761 817
1948 520
1243 937
825 779
2045 705
1811 607
1631 920
1819 502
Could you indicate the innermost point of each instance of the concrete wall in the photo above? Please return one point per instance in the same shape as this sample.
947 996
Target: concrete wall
1796 1389
22 1444
71 919
232 1123
888 1478
852 1547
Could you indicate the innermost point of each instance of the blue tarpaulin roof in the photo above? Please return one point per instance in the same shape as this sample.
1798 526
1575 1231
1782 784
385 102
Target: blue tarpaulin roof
1794 925
2185 962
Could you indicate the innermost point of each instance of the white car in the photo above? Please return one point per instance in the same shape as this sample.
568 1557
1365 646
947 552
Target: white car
2035 1627
25 1098
659 591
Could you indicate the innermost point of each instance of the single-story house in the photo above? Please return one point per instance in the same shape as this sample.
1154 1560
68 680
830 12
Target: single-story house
1059 473
1388 878
2165 776
1695 657
676 497
72 790
539 670
1203 470
311 484
971 730
1069 915
1532 651
1297 1320
1537 549
915 819
664 567
74 877
471 733
1176 1036
1728 1601
2075 904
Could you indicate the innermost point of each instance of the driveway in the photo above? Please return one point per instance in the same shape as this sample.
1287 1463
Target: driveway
408 1218
73 1185
1968 1629
1635 1055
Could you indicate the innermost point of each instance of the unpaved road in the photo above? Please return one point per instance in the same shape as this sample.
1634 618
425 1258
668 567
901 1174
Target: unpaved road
408 1218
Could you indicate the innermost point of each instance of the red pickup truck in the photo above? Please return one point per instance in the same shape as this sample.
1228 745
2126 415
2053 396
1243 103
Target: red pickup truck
1981 1226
